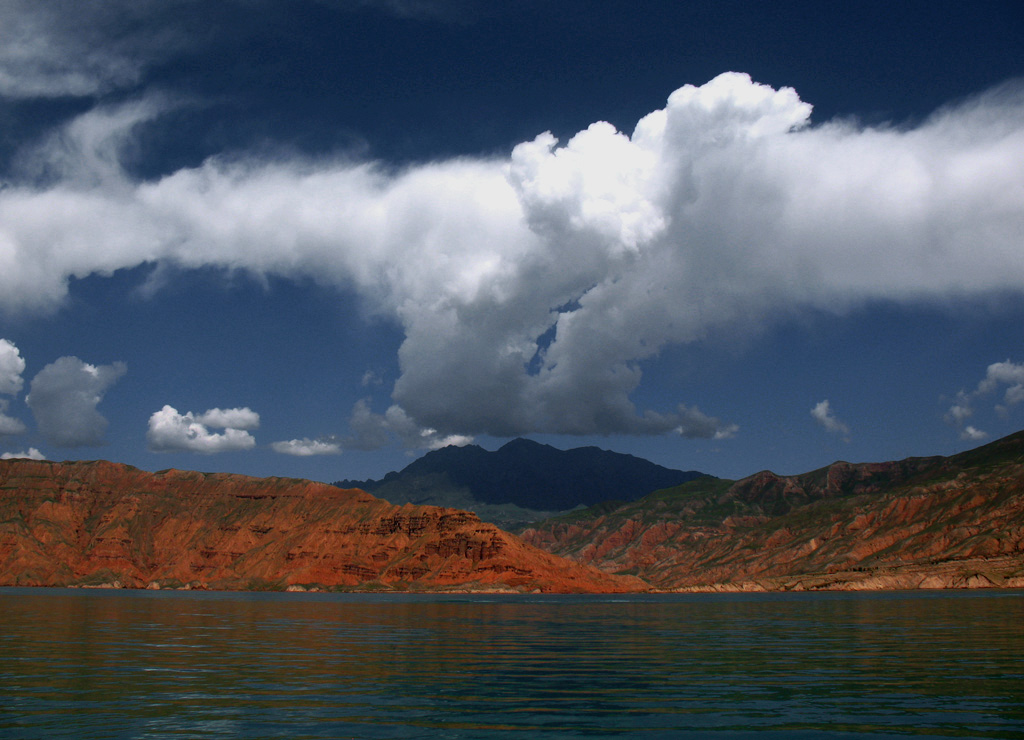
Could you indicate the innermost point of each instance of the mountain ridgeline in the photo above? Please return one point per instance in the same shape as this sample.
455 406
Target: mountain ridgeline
924 522
522 481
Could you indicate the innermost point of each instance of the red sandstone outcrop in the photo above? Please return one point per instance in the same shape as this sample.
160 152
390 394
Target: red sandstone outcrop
936 522
105 524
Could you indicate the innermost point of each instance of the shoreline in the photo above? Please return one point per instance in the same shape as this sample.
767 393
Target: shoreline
960 575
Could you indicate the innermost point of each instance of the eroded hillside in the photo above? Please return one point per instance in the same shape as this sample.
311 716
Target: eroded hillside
917 523
100 523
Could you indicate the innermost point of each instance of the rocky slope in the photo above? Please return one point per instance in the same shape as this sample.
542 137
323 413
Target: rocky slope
523 481
105 524
918 523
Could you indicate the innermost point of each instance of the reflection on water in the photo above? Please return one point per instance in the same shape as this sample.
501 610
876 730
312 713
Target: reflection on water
101 664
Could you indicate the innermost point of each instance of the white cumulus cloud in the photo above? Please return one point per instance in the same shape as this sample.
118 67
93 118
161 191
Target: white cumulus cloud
8 424
825 416
532 289
1007 377
306 447
962 409
239 418
31 454
973 435
12 365
64 397
170 431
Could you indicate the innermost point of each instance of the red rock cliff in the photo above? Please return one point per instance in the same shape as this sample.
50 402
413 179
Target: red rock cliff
953 522
101 523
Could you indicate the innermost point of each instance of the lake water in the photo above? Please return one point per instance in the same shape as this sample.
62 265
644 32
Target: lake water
145 664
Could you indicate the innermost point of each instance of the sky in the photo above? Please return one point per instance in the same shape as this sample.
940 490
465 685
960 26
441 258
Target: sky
318 238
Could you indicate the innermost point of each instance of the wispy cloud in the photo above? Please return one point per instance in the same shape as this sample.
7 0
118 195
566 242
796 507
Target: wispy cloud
371 378
60 48
63 48
1005 376
825 416
695 424
371 431
307 447
450 11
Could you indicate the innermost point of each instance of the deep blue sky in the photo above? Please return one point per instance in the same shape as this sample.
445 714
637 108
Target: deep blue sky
305 221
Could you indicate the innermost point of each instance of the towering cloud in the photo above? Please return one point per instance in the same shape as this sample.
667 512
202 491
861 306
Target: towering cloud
532 289
64 396
12 365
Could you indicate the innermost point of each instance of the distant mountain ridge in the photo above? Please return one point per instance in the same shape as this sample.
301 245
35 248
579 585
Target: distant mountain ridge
523 475
922 522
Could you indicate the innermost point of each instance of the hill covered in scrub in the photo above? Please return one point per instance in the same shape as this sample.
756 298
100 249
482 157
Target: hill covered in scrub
106 524
931 522
522 481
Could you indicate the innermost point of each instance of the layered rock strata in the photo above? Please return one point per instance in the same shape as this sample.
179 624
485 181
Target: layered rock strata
106 524
954 522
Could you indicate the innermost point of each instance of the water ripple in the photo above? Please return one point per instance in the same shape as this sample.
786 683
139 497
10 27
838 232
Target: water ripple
146 665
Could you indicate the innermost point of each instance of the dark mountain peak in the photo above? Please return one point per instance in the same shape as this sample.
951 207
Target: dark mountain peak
444 458
533 475
521 444
456 450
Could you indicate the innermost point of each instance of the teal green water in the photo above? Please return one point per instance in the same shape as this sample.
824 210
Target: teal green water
120 664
